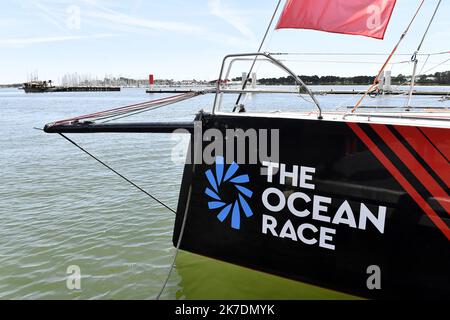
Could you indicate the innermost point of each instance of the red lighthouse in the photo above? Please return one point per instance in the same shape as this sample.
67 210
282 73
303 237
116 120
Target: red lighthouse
151 81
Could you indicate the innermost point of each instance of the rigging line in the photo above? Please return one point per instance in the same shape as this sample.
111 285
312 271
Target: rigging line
428 27
100 113
418 75
342 61
360 93
152 197
111 114
149 108
424 72
438 65
148 104
305 99
180 238
424 64
352 54
414 56
109 119
259 64
117 173
120 109
259 50
183 225
377 78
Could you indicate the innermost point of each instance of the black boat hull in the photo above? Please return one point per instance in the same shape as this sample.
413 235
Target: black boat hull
367 221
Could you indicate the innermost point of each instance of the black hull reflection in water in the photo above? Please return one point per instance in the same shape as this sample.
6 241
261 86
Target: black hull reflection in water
361 216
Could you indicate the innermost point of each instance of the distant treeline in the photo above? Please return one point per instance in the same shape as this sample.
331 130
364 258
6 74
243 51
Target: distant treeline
14 85
438 78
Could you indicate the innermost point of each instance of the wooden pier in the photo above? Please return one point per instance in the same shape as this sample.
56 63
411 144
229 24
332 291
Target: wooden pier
83 89
45 89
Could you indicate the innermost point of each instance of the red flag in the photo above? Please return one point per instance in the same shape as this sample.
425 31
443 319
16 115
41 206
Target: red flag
368 18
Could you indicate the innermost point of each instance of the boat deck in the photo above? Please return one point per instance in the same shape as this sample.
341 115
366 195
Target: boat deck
428 118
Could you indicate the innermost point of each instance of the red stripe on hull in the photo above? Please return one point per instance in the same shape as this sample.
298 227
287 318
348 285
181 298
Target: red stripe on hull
440 138
401 179
413 165
427 151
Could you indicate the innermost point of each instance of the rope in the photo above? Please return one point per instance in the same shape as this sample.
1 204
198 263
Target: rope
377 78
259 50
438 65
414 56
183 225
129 114
117 173
139 107
351 54
424 64
109 111
341 61
259 63
428 28
122 112
423 72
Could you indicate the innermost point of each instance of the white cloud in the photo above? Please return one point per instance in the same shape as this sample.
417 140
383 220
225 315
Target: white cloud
100 15
8 23
124 19
116 19
231 17
48 14
38 40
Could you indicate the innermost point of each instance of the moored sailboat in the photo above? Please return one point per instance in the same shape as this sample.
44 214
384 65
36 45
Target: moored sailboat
352 202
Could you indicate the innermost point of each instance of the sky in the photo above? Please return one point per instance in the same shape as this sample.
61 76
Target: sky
179 39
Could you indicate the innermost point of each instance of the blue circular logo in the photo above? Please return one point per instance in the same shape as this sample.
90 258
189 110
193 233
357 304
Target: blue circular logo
239 203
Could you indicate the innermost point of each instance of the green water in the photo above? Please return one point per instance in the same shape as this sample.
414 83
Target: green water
221 280
59 208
